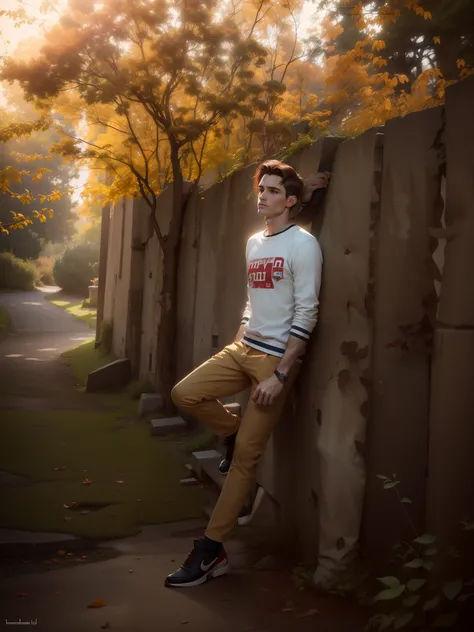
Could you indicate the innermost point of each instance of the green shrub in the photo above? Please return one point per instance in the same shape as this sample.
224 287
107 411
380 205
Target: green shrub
422 593
74 270
106 337
16 274
44 265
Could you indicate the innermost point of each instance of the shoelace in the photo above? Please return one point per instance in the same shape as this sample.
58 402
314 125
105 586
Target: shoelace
191 555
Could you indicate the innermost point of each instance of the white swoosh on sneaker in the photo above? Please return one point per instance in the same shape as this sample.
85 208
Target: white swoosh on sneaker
206 567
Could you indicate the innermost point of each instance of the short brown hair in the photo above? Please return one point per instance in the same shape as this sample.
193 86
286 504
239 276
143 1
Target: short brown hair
291 181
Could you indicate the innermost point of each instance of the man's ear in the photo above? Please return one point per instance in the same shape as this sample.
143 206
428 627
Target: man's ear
291 200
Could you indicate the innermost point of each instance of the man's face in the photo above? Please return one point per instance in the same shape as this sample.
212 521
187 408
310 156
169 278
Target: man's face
272 200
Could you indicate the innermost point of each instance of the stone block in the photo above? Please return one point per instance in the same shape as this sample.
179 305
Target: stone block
189 481
149 403
199 458
111 377
159 427
93 294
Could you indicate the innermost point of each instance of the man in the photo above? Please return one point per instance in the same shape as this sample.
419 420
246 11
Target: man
284 265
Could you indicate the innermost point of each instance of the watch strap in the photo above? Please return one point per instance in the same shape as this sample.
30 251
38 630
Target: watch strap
281 376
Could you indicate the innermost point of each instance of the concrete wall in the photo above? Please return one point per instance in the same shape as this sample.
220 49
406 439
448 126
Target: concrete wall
118 272
404 311
368 369
450 481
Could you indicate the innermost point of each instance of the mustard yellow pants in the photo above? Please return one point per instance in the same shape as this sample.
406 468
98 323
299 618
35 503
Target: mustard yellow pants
227 373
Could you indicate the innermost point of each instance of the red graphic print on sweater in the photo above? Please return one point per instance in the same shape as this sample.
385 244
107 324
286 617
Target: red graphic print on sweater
263 272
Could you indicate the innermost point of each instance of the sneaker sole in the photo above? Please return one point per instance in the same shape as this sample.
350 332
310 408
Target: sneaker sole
217 571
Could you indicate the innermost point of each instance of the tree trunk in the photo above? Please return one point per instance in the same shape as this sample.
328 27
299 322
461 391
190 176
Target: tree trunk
166 347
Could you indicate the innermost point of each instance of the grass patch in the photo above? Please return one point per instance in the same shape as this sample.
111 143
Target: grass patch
75 308
5 322
85 358
98 447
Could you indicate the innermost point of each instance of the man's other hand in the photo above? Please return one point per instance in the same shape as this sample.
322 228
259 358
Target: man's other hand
267 391
313 182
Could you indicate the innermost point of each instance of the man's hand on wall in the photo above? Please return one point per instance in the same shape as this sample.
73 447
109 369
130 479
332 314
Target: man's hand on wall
267 391
313 182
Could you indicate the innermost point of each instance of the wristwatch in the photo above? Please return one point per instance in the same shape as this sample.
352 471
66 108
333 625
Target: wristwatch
281 376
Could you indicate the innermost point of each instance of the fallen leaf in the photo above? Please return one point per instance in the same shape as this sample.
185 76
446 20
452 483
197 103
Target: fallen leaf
83 557
61 552
60 468
183 622
138 558
121 482
138 500
98 603
67 518
86 481
71 506
308 613
130 570
106 626
286 609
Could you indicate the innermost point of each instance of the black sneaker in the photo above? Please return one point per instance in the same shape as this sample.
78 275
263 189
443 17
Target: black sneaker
229 443
207 559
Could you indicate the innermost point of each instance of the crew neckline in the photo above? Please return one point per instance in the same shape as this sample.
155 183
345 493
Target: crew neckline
279 233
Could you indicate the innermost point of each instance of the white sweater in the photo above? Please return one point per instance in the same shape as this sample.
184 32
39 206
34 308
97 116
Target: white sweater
284 278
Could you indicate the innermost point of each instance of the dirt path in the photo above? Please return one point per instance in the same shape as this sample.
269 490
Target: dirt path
33 375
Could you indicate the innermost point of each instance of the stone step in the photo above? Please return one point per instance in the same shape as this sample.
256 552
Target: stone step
160 427
210 468
205 463
202 456
111 377
189 481
149 403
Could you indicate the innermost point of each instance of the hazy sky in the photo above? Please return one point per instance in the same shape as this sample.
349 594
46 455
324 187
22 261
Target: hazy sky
10 36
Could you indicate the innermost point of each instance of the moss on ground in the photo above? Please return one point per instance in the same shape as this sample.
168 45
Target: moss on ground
105 445
85 358
74 307
98 447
